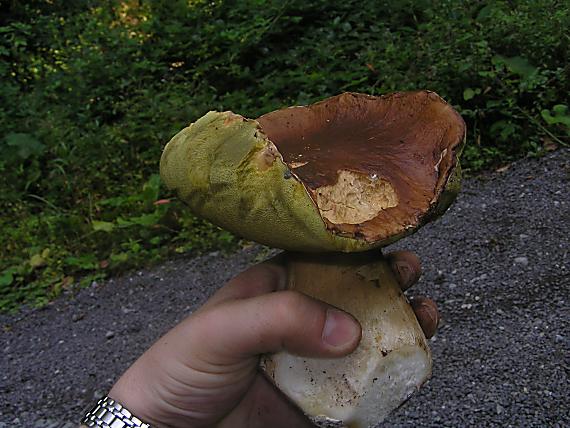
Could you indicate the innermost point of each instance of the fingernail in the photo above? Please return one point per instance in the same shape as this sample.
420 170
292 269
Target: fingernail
404 272
427 315
340 329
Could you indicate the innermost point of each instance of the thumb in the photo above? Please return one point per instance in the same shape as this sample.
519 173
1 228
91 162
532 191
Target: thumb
283 320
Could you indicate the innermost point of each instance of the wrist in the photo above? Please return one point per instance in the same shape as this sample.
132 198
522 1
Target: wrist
110 413
137 398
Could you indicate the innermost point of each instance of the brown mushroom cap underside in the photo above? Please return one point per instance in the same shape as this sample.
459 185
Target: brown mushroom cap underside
374 166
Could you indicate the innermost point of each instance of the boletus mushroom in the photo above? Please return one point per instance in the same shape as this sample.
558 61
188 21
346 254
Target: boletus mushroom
328 182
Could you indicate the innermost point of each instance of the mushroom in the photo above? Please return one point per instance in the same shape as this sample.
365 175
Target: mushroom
328 182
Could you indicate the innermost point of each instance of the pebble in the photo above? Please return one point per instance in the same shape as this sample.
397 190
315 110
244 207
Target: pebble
110 334
77 317
440 278
521 261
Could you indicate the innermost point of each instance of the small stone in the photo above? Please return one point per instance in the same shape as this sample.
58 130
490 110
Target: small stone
110 334
77 317
440 278
479 278
521 261
499 409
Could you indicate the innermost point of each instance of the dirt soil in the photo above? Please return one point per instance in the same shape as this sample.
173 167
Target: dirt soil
497 264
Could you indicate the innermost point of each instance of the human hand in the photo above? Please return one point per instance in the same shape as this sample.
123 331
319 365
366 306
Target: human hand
204 372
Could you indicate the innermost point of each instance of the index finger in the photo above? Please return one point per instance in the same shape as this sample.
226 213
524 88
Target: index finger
259 279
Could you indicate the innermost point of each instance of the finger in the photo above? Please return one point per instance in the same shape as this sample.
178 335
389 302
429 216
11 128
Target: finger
260 279
406 267
285 320
265 406
427 314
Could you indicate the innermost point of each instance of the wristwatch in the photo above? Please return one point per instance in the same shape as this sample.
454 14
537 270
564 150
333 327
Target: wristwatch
108 413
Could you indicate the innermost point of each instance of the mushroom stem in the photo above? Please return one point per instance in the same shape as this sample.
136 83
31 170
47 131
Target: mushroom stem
391 362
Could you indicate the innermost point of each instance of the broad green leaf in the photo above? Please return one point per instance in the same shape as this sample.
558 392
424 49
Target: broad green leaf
468 94
151 189
87 261
104 226
145 219
121 222
6 278
485 12
119 257
517 65
37 261
26 145
560 115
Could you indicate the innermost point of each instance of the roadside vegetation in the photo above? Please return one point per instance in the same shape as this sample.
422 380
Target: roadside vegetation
92 90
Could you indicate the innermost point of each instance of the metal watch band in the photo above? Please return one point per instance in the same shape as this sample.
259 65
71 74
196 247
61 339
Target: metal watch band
108 413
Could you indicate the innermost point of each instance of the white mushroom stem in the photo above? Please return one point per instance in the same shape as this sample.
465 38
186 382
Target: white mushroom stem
391 362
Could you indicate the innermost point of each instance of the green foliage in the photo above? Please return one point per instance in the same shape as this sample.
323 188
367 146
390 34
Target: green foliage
91 90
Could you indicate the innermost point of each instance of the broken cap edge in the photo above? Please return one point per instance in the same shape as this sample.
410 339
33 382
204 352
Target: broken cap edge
214 167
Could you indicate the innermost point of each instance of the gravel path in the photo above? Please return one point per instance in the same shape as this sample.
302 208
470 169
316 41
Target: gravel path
497 264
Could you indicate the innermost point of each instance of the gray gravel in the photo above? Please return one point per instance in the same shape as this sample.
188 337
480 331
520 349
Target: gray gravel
497 264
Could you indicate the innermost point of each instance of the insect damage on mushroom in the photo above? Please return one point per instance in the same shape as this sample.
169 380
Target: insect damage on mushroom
355 198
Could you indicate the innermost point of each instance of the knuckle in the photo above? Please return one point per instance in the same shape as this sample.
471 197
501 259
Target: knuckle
288 305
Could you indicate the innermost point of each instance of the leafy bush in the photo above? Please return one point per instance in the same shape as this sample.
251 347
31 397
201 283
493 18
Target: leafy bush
91 91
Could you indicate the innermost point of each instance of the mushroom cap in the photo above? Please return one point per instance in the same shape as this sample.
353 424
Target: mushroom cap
350 173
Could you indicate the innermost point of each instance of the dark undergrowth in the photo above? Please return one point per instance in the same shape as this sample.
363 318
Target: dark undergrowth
92 90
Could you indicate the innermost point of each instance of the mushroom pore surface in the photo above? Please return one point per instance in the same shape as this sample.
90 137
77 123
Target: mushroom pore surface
373 165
